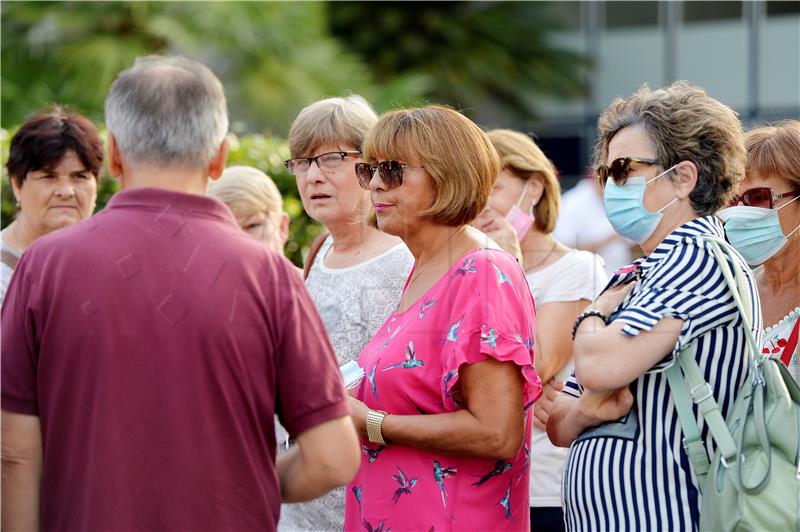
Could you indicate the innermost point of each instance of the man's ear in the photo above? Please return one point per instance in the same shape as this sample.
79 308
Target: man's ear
217 165
684 177
114 157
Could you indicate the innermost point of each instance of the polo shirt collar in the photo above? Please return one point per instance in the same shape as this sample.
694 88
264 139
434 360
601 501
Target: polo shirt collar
163 200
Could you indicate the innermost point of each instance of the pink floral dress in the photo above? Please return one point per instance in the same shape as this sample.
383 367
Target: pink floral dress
482 308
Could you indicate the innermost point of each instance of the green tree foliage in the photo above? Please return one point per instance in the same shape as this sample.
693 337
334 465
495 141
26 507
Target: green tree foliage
463 53
273 57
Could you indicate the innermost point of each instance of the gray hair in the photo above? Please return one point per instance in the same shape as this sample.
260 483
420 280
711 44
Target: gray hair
336 120
167 110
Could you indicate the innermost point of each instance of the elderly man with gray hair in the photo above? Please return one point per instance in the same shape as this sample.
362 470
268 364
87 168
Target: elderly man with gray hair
146 349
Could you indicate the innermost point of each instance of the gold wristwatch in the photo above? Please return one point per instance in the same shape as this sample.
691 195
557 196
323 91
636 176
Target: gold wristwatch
374 421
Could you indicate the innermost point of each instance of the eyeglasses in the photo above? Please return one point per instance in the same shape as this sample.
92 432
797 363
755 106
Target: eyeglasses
763 197
391 173
618 170
326 161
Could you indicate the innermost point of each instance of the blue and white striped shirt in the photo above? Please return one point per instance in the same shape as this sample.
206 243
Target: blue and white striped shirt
633 474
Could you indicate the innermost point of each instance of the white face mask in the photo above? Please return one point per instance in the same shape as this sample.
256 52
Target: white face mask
755 232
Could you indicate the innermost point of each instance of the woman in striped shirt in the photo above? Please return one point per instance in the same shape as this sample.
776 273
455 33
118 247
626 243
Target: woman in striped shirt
674 156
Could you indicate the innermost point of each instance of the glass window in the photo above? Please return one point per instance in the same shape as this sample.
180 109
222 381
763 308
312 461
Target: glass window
631 14
704 11
783 8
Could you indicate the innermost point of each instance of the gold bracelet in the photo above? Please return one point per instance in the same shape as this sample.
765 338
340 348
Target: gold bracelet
374 422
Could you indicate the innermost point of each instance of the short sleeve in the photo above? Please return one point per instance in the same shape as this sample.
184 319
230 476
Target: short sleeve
18 352
310 388
580 275
494 317
686 285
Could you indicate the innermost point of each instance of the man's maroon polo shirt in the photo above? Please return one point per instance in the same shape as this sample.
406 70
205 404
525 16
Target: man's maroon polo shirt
155 341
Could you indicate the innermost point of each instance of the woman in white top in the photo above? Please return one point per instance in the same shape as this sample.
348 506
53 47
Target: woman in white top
764 226
563 282
358 273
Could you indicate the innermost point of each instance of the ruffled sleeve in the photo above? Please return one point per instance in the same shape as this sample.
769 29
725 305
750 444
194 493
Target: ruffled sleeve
492 316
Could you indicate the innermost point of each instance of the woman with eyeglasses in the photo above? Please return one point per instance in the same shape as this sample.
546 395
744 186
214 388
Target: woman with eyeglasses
763 223
445 409
354 272
668 160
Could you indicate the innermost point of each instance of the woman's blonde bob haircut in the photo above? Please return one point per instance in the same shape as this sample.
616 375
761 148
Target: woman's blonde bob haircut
341 121
523 158
774 151
455 152
248 190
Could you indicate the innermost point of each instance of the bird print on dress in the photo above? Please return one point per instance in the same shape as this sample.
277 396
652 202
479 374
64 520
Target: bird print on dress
440 473
489 337
468 266
391 336
426 305
372 454
369 528
500 467
524 472
452 333
505 502
501 277
410 361
450 375
371 378
405 485
357 493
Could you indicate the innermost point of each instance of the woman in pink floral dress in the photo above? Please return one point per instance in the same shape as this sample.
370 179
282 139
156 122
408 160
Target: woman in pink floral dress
445 408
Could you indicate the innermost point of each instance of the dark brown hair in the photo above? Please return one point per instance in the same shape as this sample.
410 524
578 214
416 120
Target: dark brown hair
44 139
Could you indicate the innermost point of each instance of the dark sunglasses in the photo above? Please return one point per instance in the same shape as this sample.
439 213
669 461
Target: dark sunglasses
763 197
618 170
390 172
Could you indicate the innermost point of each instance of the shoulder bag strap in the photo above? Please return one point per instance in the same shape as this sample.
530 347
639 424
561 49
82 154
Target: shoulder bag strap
313 251
699 391
9 259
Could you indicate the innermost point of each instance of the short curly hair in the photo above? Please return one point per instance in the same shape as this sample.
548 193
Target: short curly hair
685 124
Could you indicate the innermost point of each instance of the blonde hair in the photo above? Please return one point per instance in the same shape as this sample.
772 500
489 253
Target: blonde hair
774 150
684 124
523 158
248 189
455 152
341 121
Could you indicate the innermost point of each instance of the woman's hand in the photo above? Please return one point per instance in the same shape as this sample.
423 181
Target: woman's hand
358 412
605 406
496 227
541 409
608 301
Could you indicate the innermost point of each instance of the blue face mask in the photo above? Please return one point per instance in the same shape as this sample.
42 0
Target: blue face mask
625 208
755 232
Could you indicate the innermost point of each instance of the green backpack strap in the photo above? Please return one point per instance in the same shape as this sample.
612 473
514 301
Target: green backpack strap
689 386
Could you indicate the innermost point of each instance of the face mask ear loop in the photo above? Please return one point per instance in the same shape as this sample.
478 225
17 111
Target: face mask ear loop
787 203
665 172
522 195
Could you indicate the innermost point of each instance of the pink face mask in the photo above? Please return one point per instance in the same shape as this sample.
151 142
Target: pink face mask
520 221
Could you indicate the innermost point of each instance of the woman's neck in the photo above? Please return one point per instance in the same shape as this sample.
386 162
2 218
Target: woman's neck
349 234
427 242
782 272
